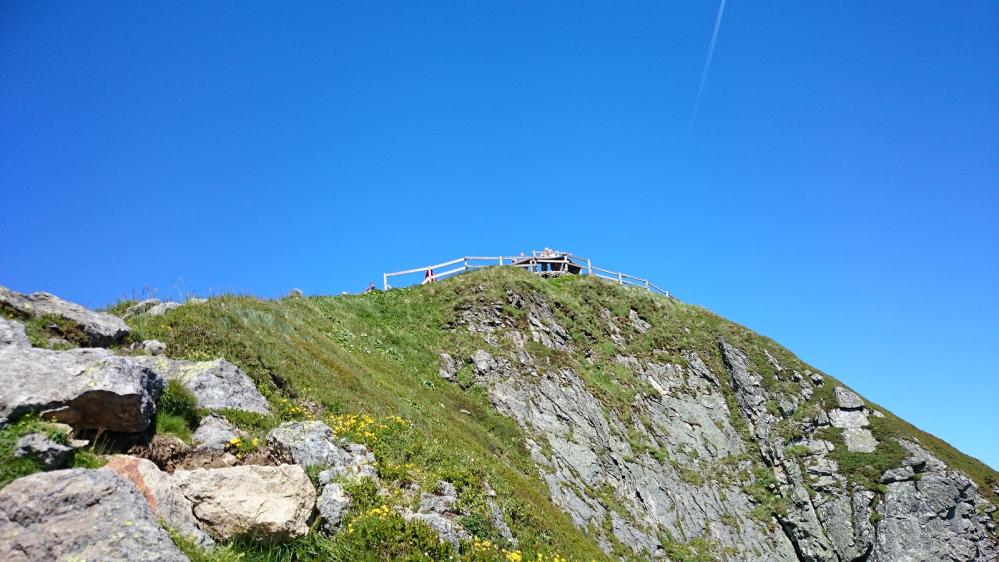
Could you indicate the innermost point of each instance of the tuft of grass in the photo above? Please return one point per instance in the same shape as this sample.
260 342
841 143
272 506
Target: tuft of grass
177 411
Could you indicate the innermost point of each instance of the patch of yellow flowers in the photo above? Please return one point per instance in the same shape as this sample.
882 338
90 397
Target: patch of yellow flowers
485 546
364 426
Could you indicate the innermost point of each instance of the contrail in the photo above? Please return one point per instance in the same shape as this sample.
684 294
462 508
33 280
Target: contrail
707 67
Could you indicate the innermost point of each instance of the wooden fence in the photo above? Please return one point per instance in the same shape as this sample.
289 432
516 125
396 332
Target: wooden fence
536 263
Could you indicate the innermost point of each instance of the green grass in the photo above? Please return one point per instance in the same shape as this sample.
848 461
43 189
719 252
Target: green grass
11 467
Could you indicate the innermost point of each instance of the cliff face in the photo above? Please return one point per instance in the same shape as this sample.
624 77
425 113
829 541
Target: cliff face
665 442
500 416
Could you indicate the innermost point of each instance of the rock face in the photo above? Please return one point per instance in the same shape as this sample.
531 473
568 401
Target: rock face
215 384
85 388
438 510
704 452
261 502
162 495
101 328
79 514
932 517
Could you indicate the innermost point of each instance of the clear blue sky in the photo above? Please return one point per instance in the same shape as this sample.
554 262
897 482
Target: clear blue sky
839 189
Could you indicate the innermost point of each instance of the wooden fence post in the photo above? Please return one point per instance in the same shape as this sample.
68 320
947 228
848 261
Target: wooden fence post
385 280
620 278
589 267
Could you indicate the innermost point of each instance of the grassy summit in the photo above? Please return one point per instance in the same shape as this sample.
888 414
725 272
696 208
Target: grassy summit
368 366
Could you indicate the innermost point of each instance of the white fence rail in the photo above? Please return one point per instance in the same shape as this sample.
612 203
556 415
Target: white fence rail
536 263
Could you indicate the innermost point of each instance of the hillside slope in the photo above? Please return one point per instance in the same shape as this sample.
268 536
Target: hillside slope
582 420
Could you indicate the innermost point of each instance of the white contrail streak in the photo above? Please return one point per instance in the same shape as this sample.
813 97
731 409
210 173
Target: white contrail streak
707 67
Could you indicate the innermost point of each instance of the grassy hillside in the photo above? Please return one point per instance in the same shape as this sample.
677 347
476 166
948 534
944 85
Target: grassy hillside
367 364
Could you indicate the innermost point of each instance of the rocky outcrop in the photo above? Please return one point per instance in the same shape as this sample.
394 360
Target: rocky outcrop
85 388
80 514
162 495
101 329
932 516
267 503
162 308
437 510
584 446
215 384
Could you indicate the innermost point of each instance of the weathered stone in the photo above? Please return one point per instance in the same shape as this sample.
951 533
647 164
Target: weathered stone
848 418
332 504
102 329
897 475
267 503
859 440
40 448
12 333
847 399
447 530
215 384
449 367
162 308
213 433
154 347
80 514
140 307
352 460
641 325
312 443
443 500
86 388
162 494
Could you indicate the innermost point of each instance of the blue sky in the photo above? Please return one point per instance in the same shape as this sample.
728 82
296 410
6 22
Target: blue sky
838 191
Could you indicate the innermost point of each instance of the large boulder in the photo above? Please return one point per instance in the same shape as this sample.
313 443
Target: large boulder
311 443
267 503
164 497
102 329
86 388
79 514
215 384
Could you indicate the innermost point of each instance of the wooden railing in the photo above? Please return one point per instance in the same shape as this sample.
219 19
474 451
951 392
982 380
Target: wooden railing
536 262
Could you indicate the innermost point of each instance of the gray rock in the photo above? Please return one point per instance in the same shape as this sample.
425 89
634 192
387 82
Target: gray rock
213 433
641 325
215 384
848 400
897 475
265 503
449 367
140 307
859 440
848 418
80 514
443 500
447 530
332 504
312 443
101 328
45 451
162 308
162 494
154 347
499 522
12 333
86 388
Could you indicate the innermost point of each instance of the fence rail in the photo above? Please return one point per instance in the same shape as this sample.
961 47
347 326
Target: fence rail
535 262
